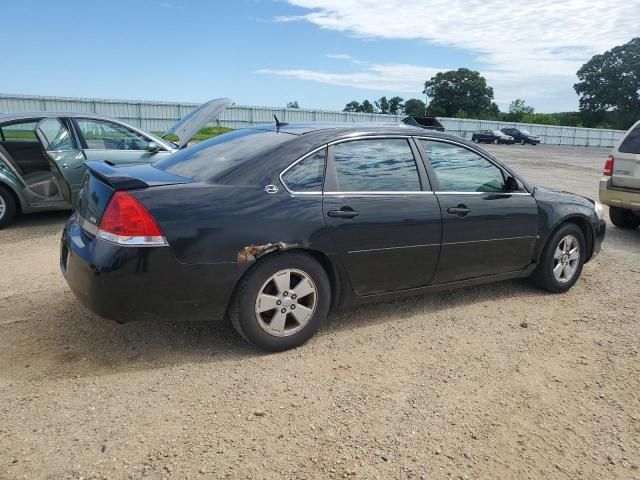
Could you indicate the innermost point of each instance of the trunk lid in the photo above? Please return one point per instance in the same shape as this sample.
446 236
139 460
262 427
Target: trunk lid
102 180
188 126
626 160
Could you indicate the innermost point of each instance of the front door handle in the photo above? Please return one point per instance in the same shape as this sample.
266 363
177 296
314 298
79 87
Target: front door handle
461 210
344 212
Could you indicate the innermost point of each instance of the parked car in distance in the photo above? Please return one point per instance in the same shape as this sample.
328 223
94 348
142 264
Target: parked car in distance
491 136
620 185
42 155
275 226
521 136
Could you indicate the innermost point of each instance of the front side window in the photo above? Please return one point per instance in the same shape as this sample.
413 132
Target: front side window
306 175
461 170
19 132
376 165
100 135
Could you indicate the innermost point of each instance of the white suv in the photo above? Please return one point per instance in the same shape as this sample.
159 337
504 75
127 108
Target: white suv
620 186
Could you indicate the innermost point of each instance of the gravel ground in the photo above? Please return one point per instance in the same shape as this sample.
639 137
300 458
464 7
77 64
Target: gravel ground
497 381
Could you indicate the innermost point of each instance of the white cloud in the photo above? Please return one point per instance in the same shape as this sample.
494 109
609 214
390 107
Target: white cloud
386 77
527 49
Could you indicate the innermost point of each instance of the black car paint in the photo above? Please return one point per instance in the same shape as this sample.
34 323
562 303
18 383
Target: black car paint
519 136
487 136
210 227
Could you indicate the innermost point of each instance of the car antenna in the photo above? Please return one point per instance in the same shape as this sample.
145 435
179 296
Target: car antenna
279 123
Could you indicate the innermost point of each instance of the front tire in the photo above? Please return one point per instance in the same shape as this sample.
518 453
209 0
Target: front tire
496 141
522 142
8 207
282 302
562 260
623 218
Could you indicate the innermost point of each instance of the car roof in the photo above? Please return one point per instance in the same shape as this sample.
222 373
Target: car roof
11 117
339 130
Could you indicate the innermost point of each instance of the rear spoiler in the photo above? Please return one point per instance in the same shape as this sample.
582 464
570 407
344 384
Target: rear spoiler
114 177
131 177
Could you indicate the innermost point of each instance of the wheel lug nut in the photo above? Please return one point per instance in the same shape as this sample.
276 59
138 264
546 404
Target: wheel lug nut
292 307
284 294
278 302
284 310
294 296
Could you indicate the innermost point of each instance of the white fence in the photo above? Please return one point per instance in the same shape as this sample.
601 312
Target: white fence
159 116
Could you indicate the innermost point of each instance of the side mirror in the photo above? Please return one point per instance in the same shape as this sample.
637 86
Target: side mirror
153 147
512 185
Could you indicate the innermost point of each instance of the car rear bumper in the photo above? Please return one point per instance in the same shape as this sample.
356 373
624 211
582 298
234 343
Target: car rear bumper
135 283
618 197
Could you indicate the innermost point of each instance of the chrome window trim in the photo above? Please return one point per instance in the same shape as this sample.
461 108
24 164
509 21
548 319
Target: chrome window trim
381 192
294 163
482 193
479 153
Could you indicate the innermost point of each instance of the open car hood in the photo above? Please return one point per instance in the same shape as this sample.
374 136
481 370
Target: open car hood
188 126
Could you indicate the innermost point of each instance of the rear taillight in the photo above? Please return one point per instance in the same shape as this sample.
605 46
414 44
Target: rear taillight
608 166
126 222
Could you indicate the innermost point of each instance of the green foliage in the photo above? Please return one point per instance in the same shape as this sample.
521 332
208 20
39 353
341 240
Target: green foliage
609 86
352 106
414 107
382 104
293 104
396 105
461 89
518 110
366 107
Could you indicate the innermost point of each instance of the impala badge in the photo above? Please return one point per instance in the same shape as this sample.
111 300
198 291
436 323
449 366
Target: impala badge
271 189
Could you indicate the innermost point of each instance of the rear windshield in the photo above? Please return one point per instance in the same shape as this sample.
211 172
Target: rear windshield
210 159
631 143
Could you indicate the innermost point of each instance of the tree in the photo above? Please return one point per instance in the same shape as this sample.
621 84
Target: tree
461 89
382 104
366 107
352 106
414 107
293 104
395 105
518 109
610 82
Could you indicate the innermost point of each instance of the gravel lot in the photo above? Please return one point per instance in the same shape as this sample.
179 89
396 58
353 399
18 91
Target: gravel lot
498 381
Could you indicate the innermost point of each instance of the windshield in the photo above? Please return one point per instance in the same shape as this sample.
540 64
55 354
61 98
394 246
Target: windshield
525 132
498 133
208 160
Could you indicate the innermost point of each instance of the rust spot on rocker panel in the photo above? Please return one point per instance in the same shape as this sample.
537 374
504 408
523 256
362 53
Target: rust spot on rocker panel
252 252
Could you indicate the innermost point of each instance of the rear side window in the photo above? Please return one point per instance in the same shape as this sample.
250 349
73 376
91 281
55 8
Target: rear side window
631 143
17 132
376 165
210 159
306 175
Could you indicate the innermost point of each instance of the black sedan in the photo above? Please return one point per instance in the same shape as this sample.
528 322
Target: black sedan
521 136
491 136
277 226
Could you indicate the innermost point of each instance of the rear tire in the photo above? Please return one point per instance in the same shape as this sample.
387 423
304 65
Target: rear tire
522 142
8 207
623 218
282 302
496 141
562 260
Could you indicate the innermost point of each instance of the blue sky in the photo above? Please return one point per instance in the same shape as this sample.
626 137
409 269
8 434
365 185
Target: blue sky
322 53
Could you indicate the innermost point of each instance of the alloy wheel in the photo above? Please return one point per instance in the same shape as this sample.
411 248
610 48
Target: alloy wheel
286 302
566 259
3 207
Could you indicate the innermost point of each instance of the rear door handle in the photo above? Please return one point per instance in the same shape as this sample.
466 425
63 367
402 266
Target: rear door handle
344 212
460 210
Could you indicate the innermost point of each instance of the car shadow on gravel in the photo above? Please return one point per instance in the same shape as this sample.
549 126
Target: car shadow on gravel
64 340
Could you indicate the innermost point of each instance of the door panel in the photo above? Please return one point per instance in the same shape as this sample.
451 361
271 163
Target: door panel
392 244
497 235
486 229
65 159
387 230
